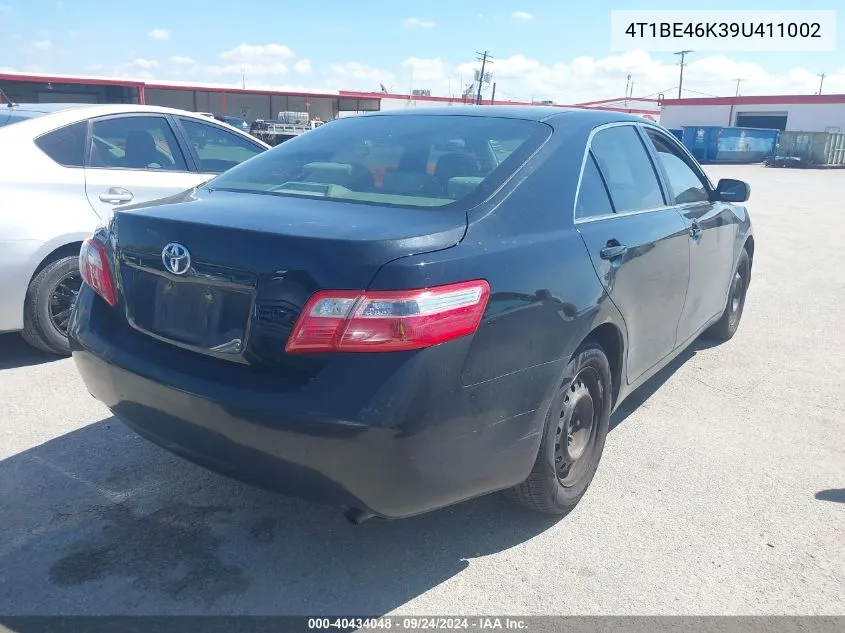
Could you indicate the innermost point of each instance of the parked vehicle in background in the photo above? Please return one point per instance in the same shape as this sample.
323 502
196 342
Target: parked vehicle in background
63 169
234 121
399 311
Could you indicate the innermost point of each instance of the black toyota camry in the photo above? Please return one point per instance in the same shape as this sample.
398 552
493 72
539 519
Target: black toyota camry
398 311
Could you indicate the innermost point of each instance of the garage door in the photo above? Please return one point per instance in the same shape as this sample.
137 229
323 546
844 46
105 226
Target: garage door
774 121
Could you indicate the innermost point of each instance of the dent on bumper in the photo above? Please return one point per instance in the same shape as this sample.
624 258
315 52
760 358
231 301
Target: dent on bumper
462 444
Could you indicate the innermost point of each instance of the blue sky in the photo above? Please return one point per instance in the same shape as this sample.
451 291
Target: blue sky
542 49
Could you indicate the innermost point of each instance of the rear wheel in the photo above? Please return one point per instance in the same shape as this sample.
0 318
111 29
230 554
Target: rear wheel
573 437
49 301
728 324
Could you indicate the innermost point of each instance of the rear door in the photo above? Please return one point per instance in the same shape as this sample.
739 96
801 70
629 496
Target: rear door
216 149
638 244
134 158
711 227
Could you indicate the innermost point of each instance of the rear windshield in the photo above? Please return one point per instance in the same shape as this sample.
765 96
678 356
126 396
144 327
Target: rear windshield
17 115
409 161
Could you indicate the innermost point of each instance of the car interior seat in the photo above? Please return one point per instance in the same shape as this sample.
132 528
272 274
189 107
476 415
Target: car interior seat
141 151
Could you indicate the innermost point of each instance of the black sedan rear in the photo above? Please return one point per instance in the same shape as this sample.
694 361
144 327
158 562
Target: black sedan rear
397 312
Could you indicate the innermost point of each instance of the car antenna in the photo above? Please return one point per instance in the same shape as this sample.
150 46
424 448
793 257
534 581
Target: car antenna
9 102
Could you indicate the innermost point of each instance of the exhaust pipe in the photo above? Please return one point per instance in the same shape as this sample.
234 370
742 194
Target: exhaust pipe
356 516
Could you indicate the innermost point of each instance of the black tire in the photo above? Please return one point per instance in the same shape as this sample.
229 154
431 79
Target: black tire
585 391
46 307
728 323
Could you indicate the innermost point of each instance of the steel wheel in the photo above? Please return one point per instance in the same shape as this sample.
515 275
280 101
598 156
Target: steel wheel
62 300
737 293
577 426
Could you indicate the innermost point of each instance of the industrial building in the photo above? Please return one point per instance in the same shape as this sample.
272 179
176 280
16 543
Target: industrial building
798 113
251 103
216 99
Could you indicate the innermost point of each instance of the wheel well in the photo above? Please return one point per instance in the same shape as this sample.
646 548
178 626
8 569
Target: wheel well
749 246
609 338
67 250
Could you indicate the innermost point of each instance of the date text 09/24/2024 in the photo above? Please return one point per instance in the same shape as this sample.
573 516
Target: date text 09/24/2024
418 624
682 30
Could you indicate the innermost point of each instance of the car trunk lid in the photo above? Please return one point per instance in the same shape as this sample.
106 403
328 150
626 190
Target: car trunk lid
239 267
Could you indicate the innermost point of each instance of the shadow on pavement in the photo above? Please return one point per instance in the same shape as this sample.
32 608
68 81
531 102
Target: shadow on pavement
836 495
99 521
15 352
653 384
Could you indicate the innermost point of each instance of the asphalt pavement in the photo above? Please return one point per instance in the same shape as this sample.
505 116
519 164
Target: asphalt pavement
721 490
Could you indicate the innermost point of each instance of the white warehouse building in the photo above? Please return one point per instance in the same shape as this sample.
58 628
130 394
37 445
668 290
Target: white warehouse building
794 113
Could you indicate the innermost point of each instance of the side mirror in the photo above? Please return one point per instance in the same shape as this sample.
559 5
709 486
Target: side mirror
730 190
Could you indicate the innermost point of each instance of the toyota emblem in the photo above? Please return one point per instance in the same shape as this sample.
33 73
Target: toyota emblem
176 258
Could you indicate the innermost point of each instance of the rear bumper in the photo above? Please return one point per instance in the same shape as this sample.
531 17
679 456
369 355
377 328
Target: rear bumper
395 442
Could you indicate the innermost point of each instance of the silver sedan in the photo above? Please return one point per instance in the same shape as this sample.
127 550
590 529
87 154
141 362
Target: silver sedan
64 168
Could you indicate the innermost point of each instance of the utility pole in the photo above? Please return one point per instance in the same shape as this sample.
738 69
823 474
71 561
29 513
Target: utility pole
737 86
683 55
493 96
485 56
243 78
821 83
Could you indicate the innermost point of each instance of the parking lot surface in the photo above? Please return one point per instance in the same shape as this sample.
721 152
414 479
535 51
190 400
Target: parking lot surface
721 489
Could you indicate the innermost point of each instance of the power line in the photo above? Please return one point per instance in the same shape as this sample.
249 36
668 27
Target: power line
683 55
706 94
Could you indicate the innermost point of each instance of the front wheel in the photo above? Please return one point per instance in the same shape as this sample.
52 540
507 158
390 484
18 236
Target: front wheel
573 436
728 323
49 301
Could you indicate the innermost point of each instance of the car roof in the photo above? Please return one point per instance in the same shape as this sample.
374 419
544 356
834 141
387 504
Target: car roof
529 113
42 108
66 114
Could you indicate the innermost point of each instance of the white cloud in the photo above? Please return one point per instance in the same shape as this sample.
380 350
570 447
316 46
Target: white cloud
42 45
426 69
417 23
181 60
159 34
252 53
248 69
357 76
95 68
143 64
522 15
303 66
519 77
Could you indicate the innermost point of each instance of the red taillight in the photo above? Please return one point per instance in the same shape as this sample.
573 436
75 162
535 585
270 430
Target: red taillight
95 270
388 321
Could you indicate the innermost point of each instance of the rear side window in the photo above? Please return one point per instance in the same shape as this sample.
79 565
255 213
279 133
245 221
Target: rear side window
627 169
592 194
66 145
409 160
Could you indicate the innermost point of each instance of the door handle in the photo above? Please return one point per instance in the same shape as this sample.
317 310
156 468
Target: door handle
613 250
116 195
695 230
